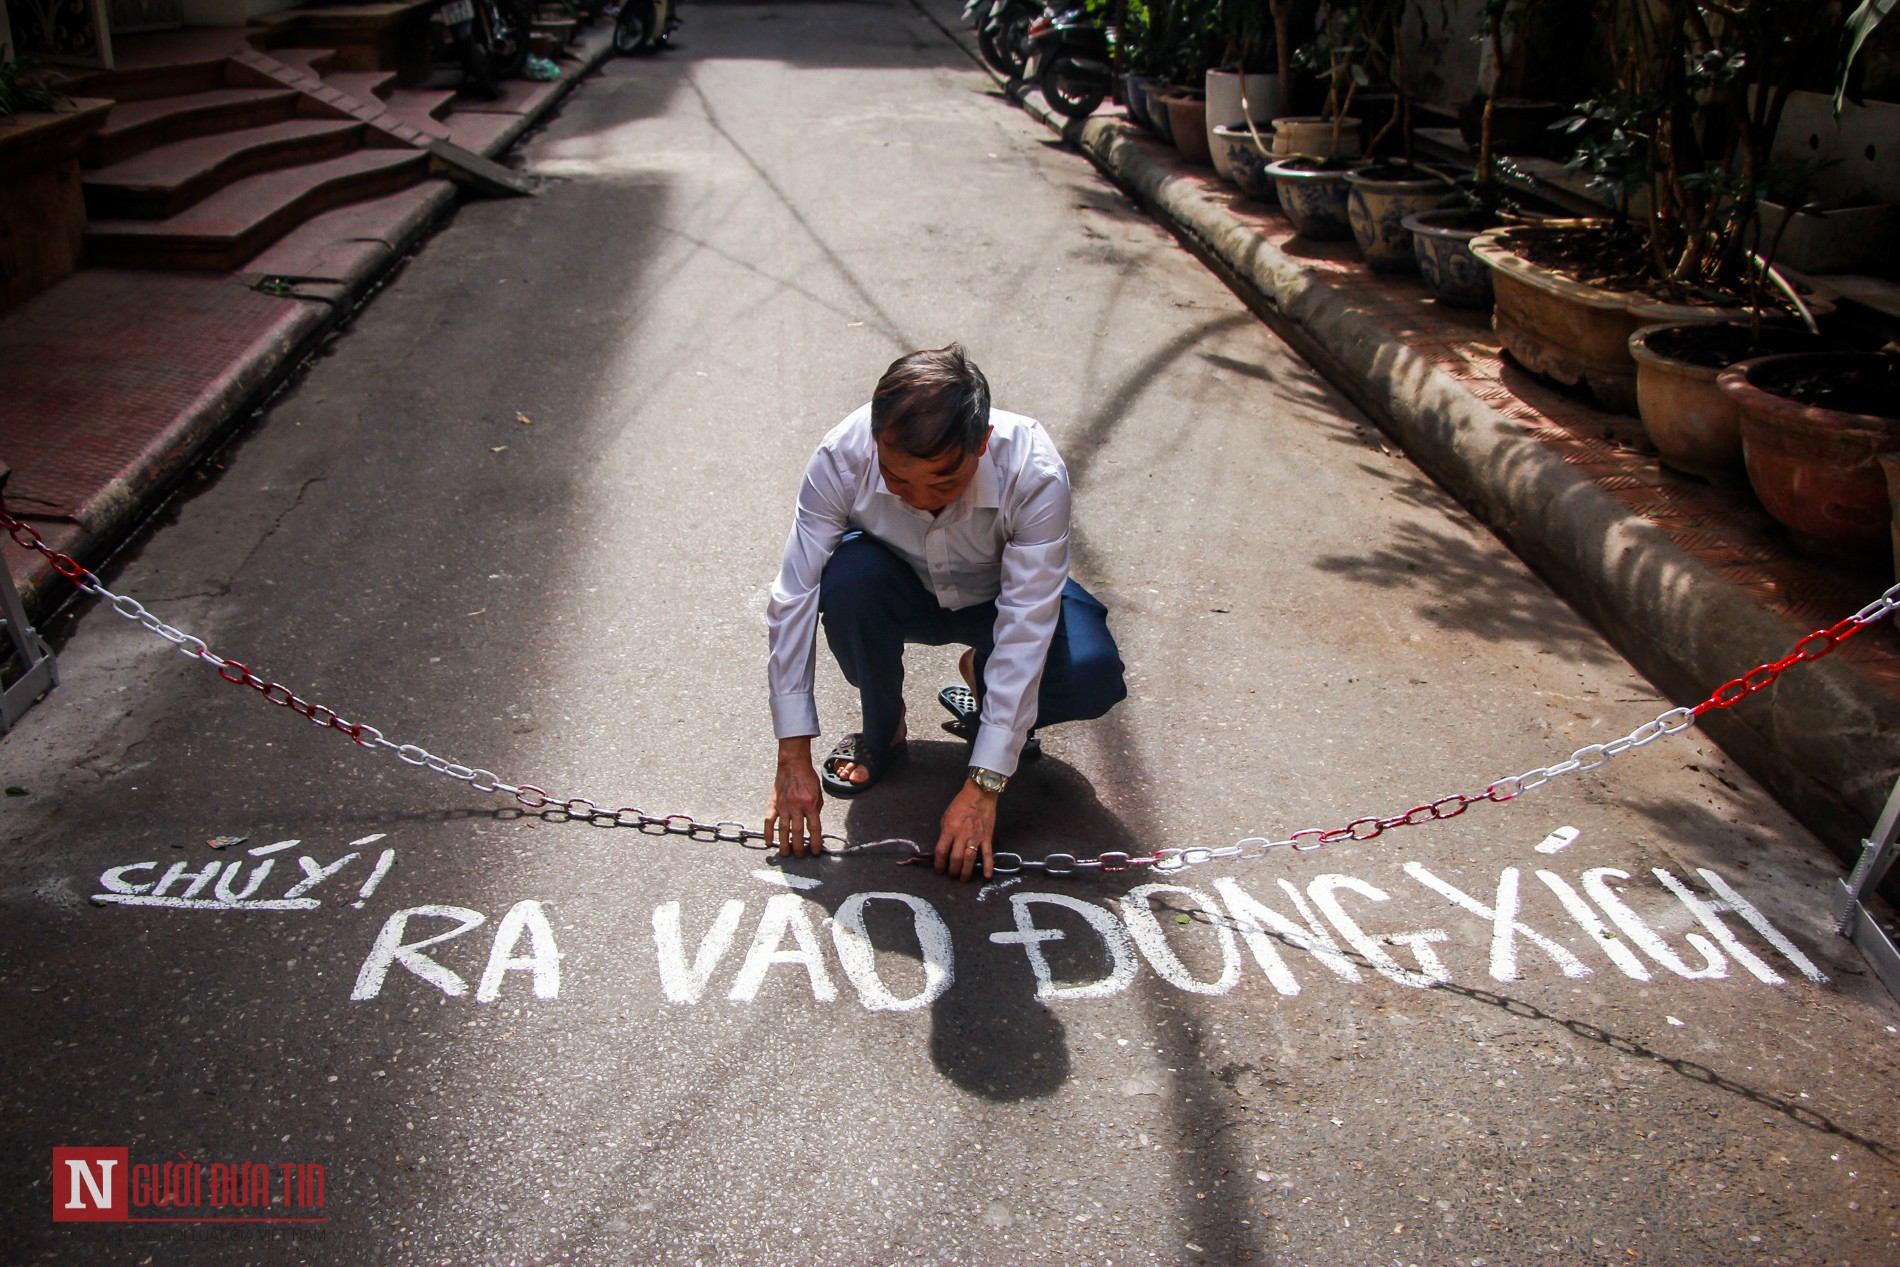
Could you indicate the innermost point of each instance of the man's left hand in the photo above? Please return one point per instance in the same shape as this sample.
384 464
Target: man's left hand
968 825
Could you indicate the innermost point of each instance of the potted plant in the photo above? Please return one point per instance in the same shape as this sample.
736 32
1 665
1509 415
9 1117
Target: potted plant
1244 91
43 216
1317 151
1814 425
1194 41
1679 143
1695 426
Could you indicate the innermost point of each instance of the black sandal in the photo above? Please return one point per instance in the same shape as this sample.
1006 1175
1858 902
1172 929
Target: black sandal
961 703
852 750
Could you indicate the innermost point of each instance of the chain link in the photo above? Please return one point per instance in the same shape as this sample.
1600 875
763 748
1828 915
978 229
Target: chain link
578 808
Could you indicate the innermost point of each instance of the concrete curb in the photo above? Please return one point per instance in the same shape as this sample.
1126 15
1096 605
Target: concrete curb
1826 742
114 513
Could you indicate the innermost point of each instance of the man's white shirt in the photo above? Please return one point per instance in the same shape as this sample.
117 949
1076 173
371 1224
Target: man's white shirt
1006 538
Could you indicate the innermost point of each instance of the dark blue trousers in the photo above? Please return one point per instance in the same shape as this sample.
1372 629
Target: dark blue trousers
872 604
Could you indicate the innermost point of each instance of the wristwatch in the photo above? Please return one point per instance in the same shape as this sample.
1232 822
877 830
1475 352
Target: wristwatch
989 780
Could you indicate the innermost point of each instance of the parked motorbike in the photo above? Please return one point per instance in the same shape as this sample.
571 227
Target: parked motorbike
1069 59
1003 36
489 37
645 25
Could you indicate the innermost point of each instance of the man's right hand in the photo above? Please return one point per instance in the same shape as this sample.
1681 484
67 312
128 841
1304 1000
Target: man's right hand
791 821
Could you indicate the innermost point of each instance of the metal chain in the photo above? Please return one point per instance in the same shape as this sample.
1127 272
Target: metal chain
1588 757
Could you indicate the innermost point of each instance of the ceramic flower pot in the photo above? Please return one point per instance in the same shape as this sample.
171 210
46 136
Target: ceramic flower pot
1187 124
1246 162
1225 89
1313 196
1817 468
1694 425
1441 243
1133 101
1151 108
1312 136
1378 201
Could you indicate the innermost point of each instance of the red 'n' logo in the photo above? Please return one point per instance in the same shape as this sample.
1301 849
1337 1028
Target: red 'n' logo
89 1185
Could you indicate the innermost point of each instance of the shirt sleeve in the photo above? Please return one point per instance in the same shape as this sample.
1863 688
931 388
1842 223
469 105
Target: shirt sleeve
1035 568
791 615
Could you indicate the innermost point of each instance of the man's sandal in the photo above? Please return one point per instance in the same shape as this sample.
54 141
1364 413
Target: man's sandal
852 750
960 701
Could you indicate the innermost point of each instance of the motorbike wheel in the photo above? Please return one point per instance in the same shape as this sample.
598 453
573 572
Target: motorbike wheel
478 74
989 45
1070 91
1015 46
633 29
512 28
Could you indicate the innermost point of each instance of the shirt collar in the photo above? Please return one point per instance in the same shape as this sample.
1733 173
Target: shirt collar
986 490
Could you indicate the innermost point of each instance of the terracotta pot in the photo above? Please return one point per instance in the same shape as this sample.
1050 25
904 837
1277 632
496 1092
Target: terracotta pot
1312 136
1570 331
1694 425
1378 201
1313 197
1187 122
1246 163
1817 470
1224 109
1442 245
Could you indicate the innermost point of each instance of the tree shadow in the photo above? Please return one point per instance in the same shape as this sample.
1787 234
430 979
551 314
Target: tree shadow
1462 589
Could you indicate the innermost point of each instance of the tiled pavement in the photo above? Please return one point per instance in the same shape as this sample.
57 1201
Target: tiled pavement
115 379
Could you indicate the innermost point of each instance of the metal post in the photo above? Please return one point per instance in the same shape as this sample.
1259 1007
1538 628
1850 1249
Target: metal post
1851 918
41 670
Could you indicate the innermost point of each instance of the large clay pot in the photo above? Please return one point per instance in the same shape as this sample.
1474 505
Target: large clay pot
1313 136
1377 203
1816 469
1224 91
1570 331
1245 160
1313 196
1441 242
1187 122
1694 425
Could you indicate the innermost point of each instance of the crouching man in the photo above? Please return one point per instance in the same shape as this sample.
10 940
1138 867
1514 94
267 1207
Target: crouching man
927 517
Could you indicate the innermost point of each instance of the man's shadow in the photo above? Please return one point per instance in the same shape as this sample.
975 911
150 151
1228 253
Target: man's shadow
990 1034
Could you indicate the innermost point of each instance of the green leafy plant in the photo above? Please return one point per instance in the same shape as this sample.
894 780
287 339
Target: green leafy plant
1680 141
25 86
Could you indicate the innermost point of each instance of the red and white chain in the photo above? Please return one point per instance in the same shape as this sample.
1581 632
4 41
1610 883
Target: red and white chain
1588 757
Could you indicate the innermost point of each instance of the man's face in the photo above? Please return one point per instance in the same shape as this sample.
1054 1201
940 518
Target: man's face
929 484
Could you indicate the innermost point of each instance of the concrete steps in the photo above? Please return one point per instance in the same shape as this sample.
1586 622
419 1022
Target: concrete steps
164 180
423 109
367 86
134 126
225 229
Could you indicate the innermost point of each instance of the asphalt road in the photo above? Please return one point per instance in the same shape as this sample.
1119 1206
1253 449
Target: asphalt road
525 512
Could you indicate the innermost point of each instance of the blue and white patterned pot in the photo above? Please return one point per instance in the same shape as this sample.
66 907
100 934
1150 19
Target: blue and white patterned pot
1377 206
1313 197
1443 248
1246 164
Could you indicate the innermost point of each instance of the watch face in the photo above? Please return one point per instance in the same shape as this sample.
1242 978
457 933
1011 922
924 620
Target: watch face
988 780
